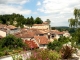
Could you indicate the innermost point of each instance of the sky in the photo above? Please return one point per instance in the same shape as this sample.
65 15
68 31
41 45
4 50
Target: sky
58 11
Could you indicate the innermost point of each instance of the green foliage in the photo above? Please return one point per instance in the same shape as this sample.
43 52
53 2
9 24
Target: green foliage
72 22
57 44
70 30
11 41
64 39
38 20
30 21
53 55
16 56
10 45
75 22
76 36
9 19
44 55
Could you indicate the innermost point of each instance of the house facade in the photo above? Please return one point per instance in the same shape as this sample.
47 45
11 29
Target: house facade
40 26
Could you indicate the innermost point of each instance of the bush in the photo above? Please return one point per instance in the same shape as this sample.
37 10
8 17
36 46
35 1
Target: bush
44 55
57 44
1 54
11 42
66 52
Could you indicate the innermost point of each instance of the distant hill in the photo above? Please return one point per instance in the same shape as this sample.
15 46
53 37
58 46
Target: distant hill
64 28
60 27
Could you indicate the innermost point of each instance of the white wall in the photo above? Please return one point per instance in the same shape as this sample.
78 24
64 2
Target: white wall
2 33
41 27
43 46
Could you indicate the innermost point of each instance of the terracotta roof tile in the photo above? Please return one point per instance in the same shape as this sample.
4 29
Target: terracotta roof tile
56 32
25 34
2 26
41 39
31 44
11 27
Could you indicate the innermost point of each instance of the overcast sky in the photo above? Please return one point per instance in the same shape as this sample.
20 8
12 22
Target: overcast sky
58 11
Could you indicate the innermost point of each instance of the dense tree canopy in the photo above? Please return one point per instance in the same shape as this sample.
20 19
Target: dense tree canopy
38 20
29 21
76 36
10 19
11 41
57 44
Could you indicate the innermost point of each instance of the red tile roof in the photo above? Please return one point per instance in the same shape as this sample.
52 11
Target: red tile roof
41 39
11 27
56 32
2 26
31 44
25 34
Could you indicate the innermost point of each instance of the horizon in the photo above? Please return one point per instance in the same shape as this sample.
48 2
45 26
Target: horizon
58 11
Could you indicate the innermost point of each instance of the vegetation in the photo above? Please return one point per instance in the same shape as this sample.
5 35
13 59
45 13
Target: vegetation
10 44
19 20
44 55
11 41
55 51
70 30
66 52
76 38
75 22
38 20
57 44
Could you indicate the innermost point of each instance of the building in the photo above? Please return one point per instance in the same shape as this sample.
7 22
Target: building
44 25
42 41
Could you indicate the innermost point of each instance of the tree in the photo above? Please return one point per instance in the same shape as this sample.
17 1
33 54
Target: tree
38 21
57 44
11 41
76 13
10 18
75 22
31 20
71 22
76 36
28 21
48 21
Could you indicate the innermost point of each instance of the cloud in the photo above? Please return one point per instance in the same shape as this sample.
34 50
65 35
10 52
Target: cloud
58 11
13 6
52 6
38 3
13 1
8 9
58 19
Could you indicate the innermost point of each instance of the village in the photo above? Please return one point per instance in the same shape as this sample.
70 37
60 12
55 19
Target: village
39 29
37 36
